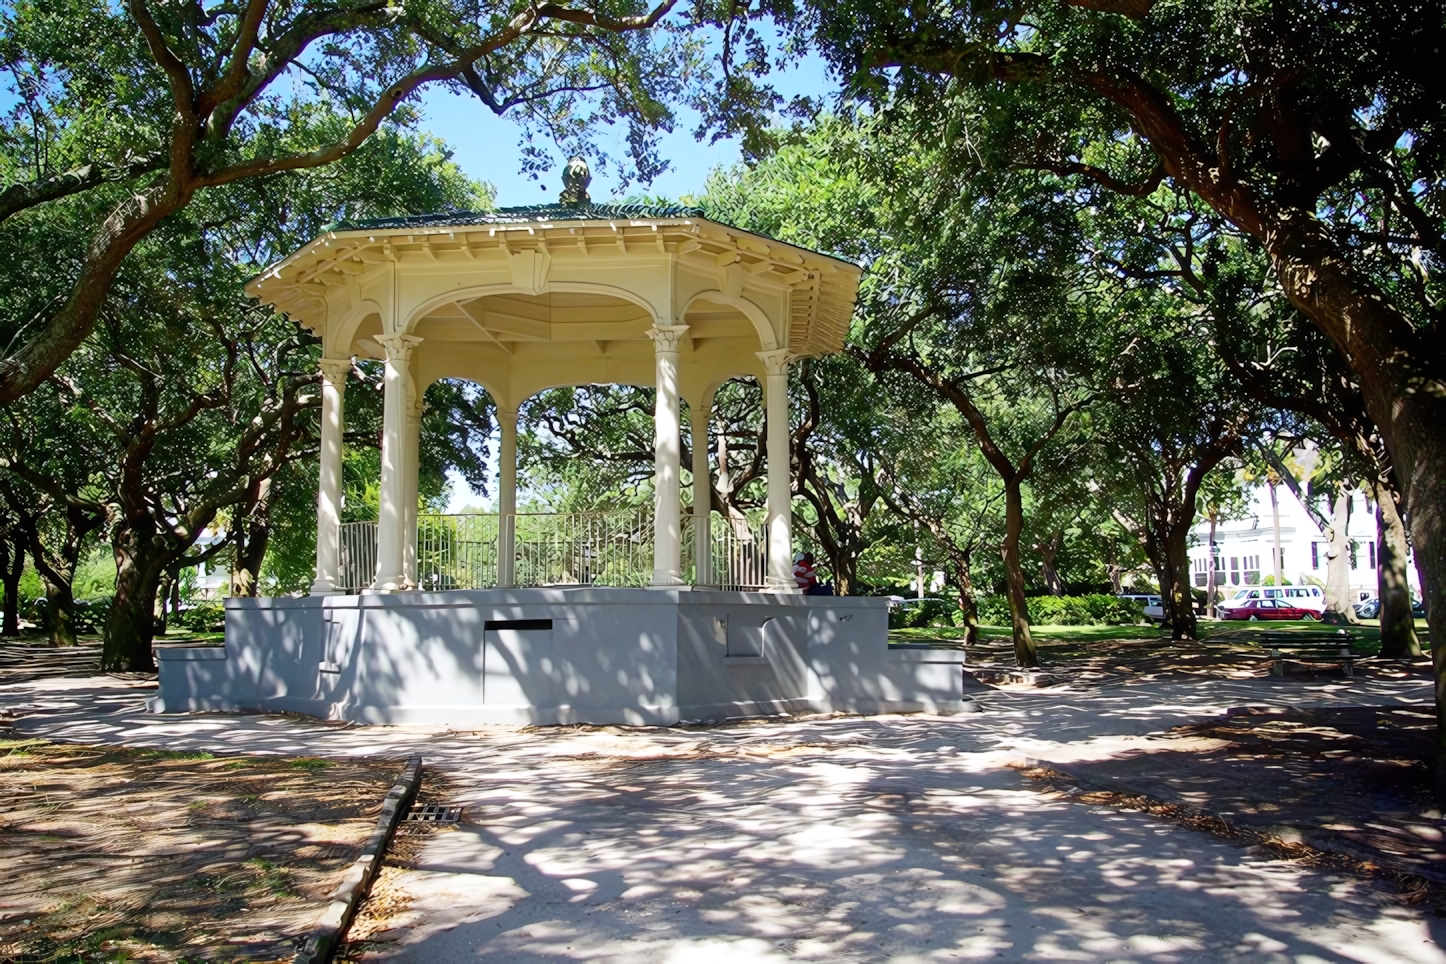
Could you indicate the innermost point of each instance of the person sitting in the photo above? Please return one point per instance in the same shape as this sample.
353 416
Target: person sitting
805 573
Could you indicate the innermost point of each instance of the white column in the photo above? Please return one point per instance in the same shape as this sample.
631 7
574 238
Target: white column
392 514
780 489
667 459
702 494
410 472
334 372
507 500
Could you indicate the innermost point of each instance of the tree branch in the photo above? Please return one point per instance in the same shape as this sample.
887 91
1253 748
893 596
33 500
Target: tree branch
18 197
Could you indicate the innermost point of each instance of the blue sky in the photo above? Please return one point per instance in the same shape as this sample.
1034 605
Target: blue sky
486 146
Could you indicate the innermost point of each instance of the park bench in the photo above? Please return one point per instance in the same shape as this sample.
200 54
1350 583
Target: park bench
1309 647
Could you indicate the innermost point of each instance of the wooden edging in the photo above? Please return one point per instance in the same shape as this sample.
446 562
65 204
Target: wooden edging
322 942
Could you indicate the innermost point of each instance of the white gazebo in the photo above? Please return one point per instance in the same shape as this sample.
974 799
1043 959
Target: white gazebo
520 300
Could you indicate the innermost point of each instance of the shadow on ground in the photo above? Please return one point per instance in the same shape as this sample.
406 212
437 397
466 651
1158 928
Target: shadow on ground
846 839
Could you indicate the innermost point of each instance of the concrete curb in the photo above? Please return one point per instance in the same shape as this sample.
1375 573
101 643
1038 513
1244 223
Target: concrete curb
322 942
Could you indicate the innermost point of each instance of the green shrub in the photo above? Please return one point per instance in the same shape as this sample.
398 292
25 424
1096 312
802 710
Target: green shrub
90 614
202 617
917 614
993 610
1096 609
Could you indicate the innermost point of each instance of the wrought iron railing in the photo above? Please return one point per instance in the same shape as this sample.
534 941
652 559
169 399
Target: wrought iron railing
358 559
738 557
556 549
456 551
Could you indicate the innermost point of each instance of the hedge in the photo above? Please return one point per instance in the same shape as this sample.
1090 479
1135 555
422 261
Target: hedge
1096 609
202 617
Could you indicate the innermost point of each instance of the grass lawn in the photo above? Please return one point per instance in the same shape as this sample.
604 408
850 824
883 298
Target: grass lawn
1366 637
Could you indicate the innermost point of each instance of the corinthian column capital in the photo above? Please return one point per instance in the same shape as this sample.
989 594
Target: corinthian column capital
667 338
398 347
335 370
775 362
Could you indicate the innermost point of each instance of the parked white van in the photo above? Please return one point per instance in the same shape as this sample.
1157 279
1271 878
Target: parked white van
1154 608
1306 597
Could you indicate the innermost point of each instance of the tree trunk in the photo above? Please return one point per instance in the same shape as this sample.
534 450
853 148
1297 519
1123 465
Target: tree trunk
845 573
1112 568
1403 384
1398 626
968 604
246 564
1048 553
1176 584
163 597
56 568
250 546
1338 573
12 566
1024 651
1399 368
59 608
130 627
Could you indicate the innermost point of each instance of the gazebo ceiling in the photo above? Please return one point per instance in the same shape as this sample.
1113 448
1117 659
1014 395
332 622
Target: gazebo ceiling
535 247
553 316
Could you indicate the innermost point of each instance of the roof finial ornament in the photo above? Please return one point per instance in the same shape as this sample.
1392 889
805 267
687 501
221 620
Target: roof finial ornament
575 179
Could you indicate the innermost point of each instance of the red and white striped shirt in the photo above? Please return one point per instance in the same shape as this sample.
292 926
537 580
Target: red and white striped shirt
804 575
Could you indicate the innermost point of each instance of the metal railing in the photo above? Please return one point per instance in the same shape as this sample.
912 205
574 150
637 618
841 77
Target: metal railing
556 549
584 549
738 557
357 565
456 551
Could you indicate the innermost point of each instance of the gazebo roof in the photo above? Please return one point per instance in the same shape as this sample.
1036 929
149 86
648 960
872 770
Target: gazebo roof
818 290
529 213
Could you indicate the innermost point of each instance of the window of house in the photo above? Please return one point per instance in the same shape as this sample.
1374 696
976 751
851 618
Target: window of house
1315 555
1371 553
1252 570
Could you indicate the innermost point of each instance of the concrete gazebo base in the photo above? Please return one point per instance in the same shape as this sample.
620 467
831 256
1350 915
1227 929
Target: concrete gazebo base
558 655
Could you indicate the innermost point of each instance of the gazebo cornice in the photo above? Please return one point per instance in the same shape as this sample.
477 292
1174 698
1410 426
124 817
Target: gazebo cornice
822 287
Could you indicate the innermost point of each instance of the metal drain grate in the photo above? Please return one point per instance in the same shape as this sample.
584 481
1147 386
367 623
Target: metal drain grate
434 813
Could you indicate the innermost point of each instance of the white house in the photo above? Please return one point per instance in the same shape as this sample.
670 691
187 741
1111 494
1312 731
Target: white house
1245 545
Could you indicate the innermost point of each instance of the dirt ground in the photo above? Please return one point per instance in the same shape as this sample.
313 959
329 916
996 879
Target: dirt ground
1348 781
24 661
845 839
144 855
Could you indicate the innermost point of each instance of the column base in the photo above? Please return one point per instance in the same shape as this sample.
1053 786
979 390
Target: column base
668 580
325 587
785 588
386 585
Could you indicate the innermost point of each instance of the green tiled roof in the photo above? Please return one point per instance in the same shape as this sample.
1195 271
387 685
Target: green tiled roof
539 212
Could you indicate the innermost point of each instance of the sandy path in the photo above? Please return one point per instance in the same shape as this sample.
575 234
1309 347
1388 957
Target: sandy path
884 839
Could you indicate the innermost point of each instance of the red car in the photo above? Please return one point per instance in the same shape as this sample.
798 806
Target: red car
1267 609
